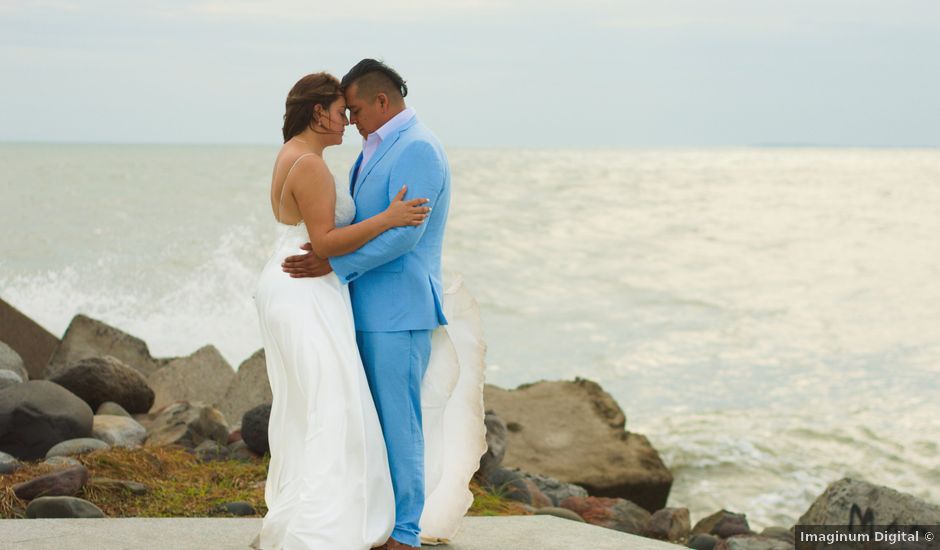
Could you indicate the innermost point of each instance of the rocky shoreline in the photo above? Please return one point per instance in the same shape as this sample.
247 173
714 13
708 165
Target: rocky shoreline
556 447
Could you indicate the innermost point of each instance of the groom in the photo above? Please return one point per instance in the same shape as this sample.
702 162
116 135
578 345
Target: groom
395 279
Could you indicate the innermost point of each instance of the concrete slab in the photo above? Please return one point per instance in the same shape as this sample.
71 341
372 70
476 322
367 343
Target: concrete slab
477 533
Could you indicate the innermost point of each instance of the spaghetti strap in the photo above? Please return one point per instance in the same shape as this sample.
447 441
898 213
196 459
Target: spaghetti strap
295 164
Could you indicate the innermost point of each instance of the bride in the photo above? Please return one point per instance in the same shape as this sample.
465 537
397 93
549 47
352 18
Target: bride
329 484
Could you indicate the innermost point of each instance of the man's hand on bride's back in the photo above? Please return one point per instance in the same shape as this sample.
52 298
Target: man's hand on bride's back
401 212
306 265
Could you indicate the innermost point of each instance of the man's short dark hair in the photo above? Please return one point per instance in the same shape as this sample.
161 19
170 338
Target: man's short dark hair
373 77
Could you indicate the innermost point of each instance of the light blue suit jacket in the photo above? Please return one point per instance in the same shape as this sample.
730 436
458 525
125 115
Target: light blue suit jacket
395 279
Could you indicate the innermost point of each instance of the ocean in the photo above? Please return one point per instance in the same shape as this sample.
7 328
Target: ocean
768 317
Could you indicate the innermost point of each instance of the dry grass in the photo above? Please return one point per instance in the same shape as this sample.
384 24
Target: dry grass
181 486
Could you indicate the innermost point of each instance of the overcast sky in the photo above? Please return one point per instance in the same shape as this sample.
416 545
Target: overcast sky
587 73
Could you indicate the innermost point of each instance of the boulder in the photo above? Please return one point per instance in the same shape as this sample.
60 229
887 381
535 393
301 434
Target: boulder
702 542
9 378
32 343
101 379
855 502
555 490
255 428
509 484
62 461
12 362
612 513
752 542
723 524
118 431
81 445
63 482
670 524
9 463
239 451
62 507
248 389
780 533
186 424
113 409
86 337
563 513
574 432
37 414
210 450
495 444
203 376
238 508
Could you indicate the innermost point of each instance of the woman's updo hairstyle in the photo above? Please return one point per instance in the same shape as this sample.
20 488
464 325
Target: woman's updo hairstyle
314 89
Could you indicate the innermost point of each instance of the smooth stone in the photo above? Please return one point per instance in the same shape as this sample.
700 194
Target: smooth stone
101 379
255 428
752 542
203 376
702 541
9 463
509 484
37 414
77 446
64 482
669 524
248 389
118 431
238 508
86 337
563 513
113 409
186 424
9 378
612 513
210 450
779 533
10 361
554 489
132 487
239 450
62 507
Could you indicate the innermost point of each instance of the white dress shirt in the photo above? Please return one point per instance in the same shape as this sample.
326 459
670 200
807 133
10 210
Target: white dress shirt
371 144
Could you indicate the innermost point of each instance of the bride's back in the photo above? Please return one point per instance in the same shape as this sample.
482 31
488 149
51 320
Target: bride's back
283 206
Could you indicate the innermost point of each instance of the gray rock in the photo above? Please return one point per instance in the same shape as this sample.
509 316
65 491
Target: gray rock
81 445
703 541
101 379
612 513
563 513
210 450
723 524
186 424
752 542
779 533
11 361
495 444
239 508
64 482
132 487
248 389
9 378
554 489
62 461
37 414
86 337
203 376
855 502
113 409
509 484
238 450
118 431
574 432
670 524
32 342
255 428
62 507
9 463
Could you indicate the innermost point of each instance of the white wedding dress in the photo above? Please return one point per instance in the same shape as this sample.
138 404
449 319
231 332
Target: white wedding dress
328 483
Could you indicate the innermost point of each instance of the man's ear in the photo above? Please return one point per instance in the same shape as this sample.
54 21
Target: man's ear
383 101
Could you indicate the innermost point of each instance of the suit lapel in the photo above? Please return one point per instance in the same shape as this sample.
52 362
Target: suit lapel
353 172
380 152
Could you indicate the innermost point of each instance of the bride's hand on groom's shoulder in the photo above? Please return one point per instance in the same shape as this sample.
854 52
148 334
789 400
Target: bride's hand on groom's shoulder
306 265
